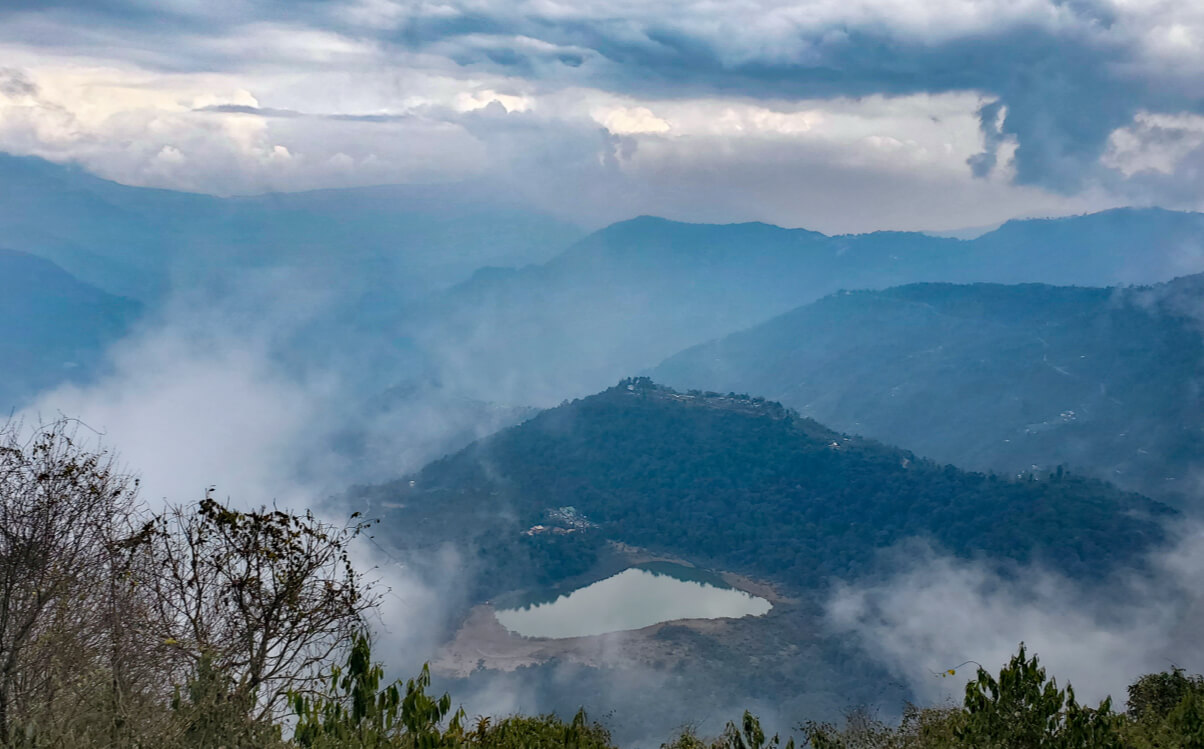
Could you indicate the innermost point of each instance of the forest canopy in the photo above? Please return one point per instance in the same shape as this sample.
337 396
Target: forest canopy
745 484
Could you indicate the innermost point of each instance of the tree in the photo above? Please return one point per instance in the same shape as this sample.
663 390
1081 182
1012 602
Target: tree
62 509
1186 722
920 728
267 595
207 713
539 732
749 735
105 608
357 712
1154 696
353 708
1166 709
1022 709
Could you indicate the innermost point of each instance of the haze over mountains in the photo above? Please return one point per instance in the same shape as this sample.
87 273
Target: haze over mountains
615 302
57 329
633 294
630 294
904 300
140 242
1006 378
362 334
363 283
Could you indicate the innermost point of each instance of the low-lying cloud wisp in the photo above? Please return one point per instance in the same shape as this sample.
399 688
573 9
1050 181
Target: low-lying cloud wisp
939 612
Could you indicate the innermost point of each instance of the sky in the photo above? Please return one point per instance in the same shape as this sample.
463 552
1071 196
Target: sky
838 115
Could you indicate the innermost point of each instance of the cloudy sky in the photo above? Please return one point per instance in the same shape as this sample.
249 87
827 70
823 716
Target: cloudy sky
840 115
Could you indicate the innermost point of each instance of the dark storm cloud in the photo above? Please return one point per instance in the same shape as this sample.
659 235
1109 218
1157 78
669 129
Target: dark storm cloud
246 109
1065 85
292 114
1064 95
981 164
16 83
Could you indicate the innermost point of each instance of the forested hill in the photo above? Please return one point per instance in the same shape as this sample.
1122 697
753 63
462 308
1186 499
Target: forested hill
57 327
990 377
743 484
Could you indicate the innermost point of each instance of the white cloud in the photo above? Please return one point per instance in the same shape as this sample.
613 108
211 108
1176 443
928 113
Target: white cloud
936 613
1155 143
388 125
467 101
372 110
143 128
631 120
193 400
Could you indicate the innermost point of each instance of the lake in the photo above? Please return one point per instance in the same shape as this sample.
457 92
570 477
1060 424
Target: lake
635 598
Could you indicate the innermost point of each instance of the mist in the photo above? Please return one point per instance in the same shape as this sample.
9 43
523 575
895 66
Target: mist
209 393
939 613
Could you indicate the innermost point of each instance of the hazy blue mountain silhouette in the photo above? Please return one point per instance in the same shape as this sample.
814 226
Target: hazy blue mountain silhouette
635 292
139 241
1107 380
56 328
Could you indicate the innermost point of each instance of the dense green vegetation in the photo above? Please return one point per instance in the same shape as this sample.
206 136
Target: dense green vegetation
1018 708
744 484
990 377
1022 708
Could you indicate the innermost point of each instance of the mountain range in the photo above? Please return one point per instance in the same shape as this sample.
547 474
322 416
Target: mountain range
990 377
626 297
140 242
504 303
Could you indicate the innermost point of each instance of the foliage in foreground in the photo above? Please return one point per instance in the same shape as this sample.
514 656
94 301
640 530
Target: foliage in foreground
1019 708
211 628
1022 708
357 711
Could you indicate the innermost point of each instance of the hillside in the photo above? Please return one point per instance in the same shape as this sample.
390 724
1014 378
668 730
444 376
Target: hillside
745 485
630 295
990 377
56 327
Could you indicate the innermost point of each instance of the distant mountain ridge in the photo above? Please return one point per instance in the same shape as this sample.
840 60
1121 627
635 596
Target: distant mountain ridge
629 295
472 289
138 242
56 328
1106 380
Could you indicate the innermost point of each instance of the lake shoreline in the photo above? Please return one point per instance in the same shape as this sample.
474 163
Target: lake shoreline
482 642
